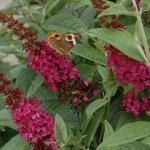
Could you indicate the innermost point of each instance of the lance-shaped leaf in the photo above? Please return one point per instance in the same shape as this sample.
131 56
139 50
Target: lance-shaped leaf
5 119
60 129
94 106
89 53
128 133
35 84
117 10
16 143
122 40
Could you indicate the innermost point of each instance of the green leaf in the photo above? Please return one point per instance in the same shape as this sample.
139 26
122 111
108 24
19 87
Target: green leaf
93 126
14 72
84 3
2 106
35 84
94 106
89 53
124 119
109 131
145 5
8 49
104 72
38 29
3 30
88 16
4 66
109 81
122 40
135 146
128 133
49 6
36 16
117 10
65 23
146 140
69 115
60 129
147 32
128 87
5 119
24 79
15 143
86 71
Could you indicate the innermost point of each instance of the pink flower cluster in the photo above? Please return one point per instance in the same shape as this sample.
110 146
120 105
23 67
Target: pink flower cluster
130 71
54 68
111 22
33 123
80 93
135 105
42 146
127 70
86 91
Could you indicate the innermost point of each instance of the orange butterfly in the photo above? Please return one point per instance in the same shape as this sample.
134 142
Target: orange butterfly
62 43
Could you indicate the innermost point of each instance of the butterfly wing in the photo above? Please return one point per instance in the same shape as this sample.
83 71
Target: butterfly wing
72 37
62 43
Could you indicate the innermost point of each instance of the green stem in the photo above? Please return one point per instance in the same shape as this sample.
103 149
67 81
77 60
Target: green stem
142 32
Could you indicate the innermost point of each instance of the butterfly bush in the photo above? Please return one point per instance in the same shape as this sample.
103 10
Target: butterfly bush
60 74
135 105
33 123
82 91
54 68
130 71
126 69
110 21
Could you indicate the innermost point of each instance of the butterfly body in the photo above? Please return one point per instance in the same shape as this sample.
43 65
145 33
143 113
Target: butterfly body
62 43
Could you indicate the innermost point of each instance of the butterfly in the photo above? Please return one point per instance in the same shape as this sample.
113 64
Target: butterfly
62 43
